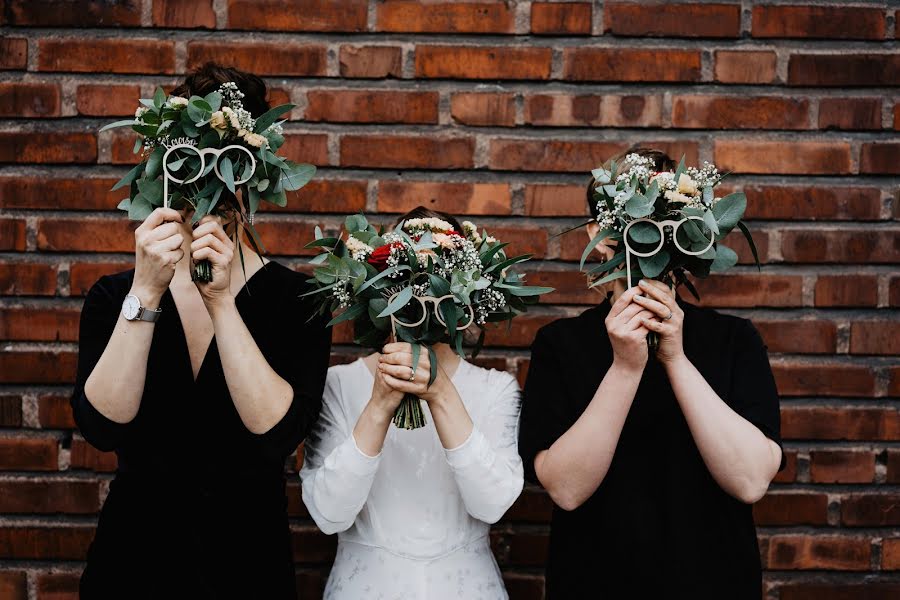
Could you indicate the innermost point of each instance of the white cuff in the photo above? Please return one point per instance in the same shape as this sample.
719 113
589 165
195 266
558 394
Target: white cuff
349 456
476 448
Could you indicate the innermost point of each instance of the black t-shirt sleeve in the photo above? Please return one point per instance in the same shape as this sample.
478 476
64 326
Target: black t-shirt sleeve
545 415
753 393
300 357
99 315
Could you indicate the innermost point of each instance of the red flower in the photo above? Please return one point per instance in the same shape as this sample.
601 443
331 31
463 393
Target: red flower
379 256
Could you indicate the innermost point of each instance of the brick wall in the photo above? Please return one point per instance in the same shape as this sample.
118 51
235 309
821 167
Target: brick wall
494 110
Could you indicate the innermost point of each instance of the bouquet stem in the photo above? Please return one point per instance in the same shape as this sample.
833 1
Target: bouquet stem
202 271
652 341
409 414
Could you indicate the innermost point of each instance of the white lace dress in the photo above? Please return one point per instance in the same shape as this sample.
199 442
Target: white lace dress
413 521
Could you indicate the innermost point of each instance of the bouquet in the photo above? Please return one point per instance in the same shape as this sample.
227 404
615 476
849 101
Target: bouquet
424 283
667 224
202 147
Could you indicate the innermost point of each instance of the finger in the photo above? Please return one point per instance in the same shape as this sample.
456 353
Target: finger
397 347
160 216
664 295
654 305
209 254
659 327
397 358
623 301
399 384
397 371
211 228
626 315
173 257
163 231
638 319
210 241
168 244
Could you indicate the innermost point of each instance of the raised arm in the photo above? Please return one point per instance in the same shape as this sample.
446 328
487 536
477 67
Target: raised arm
576 462
739 455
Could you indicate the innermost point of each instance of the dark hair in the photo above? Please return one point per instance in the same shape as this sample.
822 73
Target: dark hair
421 212
661 162
207 78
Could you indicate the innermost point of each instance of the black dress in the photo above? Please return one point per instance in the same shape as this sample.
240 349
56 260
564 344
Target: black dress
198 508
659 526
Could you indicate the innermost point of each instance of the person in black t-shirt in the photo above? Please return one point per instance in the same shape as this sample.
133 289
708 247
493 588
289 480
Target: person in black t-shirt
652 459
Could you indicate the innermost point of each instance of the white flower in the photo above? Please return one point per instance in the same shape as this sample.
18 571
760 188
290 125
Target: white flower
358 250
177 102
140 112
255 140
673 196
427 224
448 242
217 121
686 185
232 117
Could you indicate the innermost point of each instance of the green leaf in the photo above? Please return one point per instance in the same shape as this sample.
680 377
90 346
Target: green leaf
611 277
590 247
151 191
227 170
399 301
139 209
123 123
354 223
124 204
637 206
133 174
297 176
439 285
154 163
529 290
416 352
644 233
728 211
349 314
262 185
750 242
214 100
710 220
159 98
724 260
268 118
386 273
679 170
652 266
252 200
215 198
433 363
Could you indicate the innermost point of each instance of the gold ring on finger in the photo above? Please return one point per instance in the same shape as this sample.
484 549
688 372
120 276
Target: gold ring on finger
669 317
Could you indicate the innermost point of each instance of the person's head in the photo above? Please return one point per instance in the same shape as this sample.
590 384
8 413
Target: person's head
421 212
660 162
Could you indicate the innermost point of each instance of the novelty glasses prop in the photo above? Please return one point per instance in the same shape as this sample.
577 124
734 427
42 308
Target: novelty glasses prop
677 227
169 170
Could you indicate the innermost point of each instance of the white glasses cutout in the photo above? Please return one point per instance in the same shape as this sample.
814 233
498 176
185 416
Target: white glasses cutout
168 175
424 301
661 226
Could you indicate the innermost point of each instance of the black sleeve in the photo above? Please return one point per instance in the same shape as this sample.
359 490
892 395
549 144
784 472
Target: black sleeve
545 415
99 315
753 393
301 358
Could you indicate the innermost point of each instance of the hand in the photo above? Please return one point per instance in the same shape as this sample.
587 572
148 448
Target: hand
627 331
211 243
385 398
395 364
158 249
658 298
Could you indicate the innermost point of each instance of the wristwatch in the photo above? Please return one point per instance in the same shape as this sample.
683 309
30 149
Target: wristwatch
133 311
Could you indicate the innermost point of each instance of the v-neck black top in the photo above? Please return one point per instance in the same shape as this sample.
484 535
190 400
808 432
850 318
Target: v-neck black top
659 526
198 507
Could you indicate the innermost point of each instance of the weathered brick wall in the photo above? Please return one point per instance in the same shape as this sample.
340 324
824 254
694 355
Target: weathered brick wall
495 110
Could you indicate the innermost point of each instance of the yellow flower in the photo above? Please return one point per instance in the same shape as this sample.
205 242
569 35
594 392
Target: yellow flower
217 120
686 185
673 196
255 140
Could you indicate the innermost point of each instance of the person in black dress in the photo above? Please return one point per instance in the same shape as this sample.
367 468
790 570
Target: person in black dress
652 460
202 390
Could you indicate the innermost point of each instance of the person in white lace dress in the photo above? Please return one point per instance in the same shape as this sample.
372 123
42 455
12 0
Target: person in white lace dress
412 509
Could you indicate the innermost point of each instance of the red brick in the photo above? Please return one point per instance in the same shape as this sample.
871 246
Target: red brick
844 246
826 22
37 366
286 238
870 510
298 15
628 64
890 555
57 586
844 69
46 497
791 508
190 14
121 147
414 16
812 203
83 275
482 109
48 147
880 158
29 100
850 113
672 20
55 411
561 18
894 291
324 195
570 285
375 62
86 235
470 62
749 290
12 234
27 279
846 290
827 423
875 337
893 466
838 591
262 58
113 55
550 155
520 548
39 324
306 147
522 331
832 379
745 66
11 410
372 106
407 152
13 585
107 100
28 454
454 198
897 115
740 112
799 551
560 110
799 336
73 13
13 53
790 158
85 456
45 542
789 473
842 466
550 200
58 193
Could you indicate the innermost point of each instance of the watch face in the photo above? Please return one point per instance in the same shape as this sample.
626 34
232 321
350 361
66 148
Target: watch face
130 307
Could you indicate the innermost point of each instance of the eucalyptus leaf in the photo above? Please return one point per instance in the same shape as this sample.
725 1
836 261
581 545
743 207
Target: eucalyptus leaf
123 123
399 301
159 98
592 244
750 242
728 211
724 260
226 169
139 208
638 206
268 118
297 176
644 233
132 175
653 266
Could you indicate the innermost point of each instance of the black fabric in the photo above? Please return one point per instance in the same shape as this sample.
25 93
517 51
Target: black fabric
198 507
659 526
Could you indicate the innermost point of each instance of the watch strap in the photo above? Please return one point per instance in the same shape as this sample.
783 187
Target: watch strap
148 314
